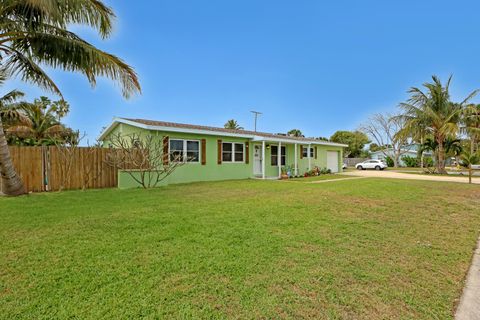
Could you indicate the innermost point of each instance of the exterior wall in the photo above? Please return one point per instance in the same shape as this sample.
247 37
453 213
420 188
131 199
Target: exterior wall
321 161
191 172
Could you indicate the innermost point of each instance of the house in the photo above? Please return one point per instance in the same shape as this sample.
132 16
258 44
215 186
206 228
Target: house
223 154
410 151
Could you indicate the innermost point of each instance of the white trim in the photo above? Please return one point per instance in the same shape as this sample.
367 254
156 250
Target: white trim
309 158
253 137
185 142
233 143
263 161
296 164
279 158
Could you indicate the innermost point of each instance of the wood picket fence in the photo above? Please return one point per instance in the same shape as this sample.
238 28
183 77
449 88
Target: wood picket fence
53 168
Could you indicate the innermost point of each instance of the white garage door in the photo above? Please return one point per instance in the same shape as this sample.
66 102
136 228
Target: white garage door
332 160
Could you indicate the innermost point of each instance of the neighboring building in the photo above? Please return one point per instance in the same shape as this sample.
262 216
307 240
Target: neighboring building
222 154
410 150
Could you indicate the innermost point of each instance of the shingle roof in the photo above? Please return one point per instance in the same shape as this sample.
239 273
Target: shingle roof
154 123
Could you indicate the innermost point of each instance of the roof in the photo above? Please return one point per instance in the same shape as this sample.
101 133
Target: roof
198 129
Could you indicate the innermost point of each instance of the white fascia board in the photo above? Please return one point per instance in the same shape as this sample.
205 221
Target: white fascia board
286 140
174 129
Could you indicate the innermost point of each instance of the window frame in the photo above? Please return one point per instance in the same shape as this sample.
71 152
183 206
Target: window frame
283 157
185 149
305 154
232 143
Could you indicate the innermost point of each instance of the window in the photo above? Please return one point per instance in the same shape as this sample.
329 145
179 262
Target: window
274 155
305 152
184 150
233 152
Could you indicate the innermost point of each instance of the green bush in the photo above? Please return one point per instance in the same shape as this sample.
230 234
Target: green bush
427 162
410 161
389 161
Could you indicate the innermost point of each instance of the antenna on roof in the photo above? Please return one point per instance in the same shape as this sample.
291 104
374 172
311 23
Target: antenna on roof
256 113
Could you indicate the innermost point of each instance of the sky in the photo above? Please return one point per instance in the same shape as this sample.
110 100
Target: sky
318 66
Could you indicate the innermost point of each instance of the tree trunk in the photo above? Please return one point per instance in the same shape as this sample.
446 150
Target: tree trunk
470 172
441 157
12 184
395 160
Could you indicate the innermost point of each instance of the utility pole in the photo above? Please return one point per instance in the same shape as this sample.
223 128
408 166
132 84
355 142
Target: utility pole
256 113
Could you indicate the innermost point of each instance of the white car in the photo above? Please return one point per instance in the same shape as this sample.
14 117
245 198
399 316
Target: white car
371 164
344 166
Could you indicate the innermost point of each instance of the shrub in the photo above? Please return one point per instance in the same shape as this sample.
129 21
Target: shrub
410 161
389 161
427 162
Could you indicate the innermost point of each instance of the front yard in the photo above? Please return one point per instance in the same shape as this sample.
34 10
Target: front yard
364 248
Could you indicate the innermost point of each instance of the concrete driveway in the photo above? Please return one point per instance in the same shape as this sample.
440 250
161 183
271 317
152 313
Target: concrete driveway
408 176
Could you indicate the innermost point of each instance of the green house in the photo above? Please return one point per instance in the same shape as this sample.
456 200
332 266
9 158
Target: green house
223 154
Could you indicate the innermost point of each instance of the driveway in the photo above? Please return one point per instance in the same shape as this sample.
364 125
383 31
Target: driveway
408 176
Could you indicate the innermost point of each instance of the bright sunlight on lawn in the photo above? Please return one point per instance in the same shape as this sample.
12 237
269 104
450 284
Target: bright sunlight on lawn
365 248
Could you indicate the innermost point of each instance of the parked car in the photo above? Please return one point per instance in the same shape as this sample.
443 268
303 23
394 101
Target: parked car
371 164
344 166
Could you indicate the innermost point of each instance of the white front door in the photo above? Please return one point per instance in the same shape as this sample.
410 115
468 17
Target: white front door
257 160
332 160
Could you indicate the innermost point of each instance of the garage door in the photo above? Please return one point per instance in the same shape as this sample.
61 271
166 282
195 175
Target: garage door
332 160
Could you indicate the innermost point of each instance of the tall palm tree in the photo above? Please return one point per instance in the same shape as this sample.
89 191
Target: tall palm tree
12 184
433 110
471 120
35 34
232 124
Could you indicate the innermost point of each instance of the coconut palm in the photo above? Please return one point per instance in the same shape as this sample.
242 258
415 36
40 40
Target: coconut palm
232 124
35 34
471 120
433 110
467 159
12 184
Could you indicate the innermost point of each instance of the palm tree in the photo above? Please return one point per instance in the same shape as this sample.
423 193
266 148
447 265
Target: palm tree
471 120
12 184
41 122
436 113
35 34
467 159
232 124
295 133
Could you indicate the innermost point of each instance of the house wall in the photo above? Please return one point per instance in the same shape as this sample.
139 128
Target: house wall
320 161
191 172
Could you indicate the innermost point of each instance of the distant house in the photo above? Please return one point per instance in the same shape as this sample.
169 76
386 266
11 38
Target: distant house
410 150
221 154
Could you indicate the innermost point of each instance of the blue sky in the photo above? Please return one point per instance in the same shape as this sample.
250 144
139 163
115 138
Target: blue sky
319 66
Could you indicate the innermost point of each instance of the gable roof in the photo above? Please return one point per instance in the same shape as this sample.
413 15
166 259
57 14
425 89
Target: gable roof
207 130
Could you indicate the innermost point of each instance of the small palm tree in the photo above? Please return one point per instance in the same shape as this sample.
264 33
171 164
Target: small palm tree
433 111
41 122
467 159
232 124
295 133
35 34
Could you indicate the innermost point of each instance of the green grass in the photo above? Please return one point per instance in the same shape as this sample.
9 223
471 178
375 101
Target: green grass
353 249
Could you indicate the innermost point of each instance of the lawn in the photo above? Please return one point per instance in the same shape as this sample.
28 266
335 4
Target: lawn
363 249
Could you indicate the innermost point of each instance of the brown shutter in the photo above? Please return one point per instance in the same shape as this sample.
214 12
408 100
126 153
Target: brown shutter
247 152
315 152
301 152
219 151
204 152
165 150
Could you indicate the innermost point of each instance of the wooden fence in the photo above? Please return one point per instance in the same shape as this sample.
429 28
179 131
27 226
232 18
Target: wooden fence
54 168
